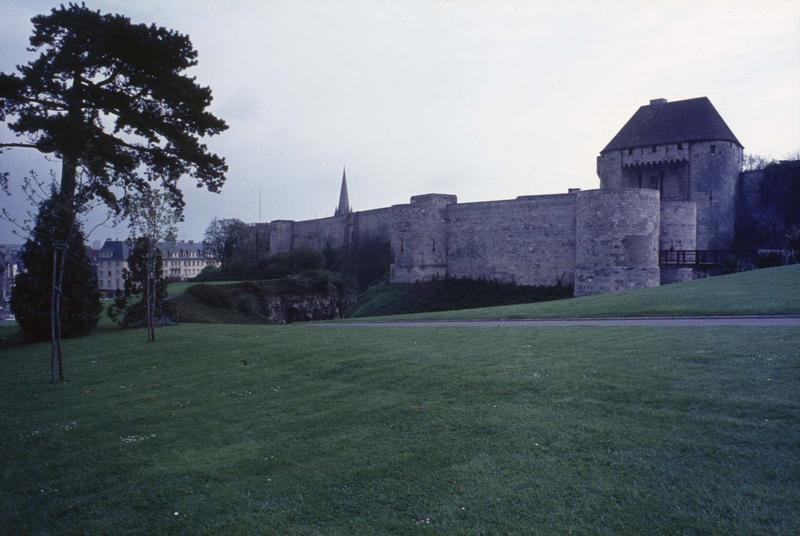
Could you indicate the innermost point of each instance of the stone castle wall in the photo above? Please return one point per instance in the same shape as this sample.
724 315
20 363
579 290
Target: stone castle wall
678 231
617 240
704 172
670 183
419 233
528 241
713 177
598 240
319 233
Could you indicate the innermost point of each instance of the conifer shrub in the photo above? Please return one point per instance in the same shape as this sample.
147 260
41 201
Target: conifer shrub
30 298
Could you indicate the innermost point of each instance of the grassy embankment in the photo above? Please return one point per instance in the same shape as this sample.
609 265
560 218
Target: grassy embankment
179 287
448 294
767 291
310 429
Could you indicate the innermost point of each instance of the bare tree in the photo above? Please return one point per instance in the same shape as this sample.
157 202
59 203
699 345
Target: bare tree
753 162
224 237
153 217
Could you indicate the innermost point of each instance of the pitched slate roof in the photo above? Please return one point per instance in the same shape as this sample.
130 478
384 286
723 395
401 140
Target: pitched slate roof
115 250
671 122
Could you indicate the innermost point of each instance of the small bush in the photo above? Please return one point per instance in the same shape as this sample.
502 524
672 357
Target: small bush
768 260
212 295
209 273
730 265
306 259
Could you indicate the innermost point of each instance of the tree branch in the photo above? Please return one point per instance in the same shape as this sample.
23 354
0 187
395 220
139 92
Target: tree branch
43 102
101 83
21 145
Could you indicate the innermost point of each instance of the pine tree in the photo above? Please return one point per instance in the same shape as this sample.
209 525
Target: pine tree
112 101
57 235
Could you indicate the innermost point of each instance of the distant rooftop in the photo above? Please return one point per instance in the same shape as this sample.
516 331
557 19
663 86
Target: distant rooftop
115 250
662 122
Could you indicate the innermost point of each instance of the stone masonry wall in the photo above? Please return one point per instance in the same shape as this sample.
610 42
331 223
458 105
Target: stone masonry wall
712 184
617 240
677 230
528 241
678 225
320 233
280 236
372 225
598 241
609 169
419 238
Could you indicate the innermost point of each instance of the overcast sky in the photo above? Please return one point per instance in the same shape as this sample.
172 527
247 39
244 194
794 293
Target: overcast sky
481 99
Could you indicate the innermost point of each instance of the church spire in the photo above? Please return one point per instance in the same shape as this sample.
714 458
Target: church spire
344 203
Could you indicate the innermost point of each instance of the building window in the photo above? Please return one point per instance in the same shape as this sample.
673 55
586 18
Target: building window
655 148
712 148
630 151
434 244
680 146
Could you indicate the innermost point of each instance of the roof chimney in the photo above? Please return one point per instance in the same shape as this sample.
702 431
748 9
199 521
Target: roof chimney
655 102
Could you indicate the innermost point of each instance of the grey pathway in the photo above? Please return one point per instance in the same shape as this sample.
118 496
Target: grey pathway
676 321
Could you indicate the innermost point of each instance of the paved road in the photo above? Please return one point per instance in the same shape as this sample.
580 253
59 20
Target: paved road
677 321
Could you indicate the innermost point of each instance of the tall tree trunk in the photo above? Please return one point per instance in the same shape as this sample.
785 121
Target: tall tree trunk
153 300
147 294
53 358
153 292
59 297
69 184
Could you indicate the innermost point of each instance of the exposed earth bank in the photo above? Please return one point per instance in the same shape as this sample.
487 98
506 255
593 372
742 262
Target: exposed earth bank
277 301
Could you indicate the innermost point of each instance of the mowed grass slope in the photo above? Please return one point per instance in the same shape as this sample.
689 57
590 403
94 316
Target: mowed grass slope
306 429
769 291
177 288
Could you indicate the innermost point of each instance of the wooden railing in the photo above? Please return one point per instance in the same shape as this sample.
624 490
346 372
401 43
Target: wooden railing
705 258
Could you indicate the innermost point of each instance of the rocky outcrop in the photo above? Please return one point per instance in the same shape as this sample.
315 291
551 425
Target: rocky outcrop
286 309
275 301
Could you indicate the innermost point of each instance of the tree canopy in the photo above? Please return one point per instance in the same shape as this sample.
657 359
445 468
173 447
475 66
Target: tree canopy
225 237
111 98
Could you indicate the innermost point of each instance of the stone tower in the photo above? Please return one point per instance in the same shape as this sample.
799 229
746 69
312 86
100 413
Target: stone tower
343 209
684 150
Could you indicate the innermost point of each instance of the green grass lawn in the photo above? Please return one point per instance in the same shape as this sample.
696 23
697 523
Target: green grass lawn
179 287
307 429
768 291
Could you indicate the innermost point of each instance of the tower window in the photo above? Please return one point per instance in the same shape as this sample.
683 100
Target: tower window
680 146
712 148
630 151
434 244
655 148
